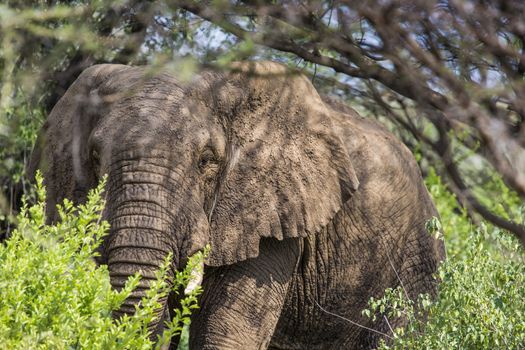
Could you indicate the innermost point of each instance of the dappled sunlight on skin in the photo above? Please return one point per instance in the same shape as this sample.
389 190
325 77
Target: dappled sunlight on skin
278 137
298 201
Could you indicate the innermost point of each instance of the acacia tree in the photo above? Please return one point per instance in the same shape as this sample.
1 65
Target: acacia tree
447 75
456 66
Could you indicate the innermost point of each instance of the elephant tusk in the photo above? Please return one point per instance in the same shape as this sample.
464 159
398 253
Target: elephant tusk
196 275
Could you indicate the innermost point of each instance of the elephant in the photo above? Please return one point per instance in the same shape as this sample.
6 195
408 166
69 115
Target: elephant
309 208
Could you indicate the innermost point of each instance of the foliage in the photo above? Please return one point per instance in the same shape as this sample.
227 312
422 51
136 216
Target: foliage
55 297
17 136
480 303
44 46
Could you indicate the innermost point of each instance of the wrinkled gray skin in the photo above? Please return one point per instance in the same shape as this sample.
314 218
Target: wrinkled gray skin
310 209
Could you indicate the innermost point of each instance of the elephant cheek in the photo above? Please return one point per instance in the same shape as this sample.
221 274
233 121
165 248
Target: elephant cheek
196 237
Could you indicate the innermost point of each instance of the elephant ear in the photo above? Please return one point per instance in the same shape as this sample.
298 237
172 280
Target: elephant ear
288 172
61 148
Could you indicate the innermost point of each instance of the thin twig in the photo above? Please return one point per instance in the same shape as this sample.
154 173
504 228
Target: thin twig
352 322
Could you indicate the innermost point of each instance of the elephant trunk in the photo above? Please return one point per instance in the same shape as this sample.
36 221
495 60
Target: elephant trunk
139 243
151 215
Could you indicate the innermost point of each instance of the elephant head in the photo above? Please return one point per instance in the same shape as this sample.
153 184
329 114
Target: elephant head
226 159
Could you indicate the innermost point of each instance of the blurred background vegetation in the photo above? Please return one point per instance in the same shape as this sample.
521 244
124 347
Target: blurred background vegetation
446 76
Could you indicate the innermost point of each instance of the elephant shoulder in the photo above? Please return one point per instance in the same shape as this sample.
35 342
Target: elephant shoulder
376 153
389 176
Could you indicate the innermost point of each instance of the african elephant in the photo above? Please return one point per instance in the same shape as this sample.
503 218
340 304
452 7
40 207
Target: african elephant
310 210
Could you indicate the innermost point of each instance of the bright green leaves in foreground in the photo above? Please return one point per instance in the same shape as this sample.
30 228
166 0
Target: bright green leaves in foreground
53 296
480 303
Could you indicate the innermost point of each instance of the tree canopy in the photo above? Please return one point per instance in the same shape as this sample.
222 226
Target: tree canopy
445 75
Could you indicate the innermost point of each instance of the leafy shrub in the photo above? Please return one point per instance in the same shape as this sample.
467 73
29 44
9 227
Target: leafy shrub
19 125
54 296
480 303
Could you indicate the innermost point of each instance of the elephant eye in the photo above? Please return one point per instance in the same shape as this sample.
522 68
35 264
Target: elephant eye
207 160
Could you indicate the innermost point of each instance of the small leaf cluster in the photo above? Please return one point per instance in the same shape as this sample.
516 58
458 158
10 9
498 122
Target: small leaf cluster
180 321
54 296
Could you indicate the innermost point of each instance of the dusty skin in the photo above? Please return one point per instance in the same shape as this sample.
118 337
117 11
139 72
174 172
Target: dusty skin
310 209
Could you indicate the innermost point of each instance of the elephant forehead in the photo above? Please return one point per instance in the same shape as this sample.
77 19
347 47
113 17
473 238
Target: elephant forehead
142 128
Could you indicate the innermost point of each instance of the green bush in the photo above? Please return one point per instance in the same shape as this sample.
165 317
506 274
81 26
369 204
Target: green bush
480 304
54 296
